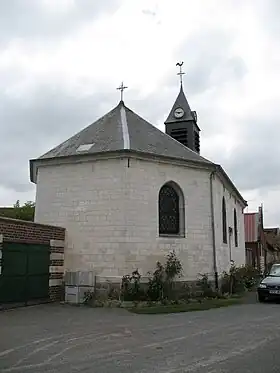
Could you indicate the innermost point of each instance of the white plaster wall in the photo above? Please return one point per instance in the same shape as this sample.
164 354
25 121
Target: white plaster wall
110 212
223 250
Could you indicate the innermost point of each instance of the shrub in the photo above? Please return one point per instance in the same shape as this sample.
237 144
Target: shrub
173 267
205 286
113 294
239 279
156 283
130 288
161 282
184 292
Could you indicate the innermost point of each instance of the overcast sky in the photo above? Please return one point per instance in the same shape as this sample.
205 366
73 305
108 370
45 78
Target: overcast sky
61 61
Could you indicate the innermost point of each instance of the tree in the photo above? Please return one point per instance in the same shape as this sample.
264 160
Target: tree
24 212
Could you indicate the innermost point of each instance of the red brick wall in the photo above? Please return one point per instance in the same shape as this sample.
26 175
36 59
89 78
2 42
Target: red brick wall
29 232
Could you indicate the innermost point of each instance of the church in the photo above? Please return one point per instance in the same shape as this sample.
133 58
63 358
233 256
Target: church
128 193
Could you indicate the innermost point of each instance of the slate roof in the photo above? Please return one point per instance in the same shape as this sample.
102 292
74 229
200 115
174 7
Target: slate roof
122 129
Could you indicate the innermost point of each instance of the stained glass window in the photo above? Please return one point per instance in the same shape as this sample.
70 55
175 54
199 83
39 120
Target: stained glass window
224 218
168 210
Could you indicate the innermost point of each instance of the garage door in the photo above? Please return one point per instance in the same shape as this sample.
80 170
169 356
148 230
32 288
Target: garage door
25 273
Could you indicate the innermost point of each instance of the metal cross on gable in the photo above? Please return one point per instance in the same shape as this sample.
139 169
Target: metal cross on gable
121 88
180 73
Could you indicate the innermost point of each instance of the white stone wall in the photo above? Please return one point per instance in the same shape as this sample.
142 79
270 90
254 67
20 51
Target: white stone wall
110 212
144 180
223 249
87 199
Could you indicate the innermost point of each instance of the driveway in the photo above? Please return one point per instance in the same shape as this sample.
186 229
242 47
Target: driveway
59 338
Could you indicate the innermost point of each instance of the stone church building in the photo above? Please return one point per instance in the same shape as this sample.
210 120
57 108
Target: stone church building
127 194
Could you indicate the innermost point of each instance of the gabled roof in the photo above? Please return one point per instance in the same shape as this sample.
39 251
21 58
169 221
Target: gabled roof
122 129
182 102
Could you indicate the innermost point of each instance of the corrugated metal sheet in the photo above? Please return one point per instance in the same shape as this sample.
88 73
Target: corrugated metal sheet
251 226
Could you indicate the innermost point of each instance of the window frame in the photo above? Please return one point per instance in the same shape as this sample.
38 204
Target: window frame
181 210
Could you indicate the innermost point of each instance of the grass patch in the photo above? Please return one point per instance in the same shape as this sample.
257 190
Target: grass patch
188 307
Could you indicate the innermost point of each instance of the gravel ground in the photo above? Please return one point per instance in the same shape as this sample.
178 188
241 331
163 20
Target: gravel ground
59 338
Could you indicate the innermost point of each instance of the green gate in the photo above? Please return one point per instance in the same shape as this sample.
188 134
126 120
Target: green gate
25 273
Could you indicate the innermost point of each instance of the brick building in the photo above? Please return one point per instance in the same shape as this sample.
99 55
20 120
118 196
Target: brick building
255 239
31 262
127 194
262 244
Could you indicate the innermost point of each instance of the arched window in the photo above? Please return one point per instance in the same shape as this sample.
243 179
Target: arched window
171 210
224 218
235 228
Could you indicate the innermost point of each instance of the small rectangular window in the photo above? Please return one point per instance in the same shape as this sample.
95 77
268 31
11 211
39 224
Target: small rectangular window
84 148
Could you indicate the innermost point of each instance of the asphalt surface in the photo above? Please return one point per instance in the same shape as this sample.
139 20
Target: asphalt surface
59 338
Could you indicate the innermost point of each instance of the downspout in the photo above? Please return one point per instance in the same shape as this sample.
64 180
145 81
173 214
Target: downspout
213 231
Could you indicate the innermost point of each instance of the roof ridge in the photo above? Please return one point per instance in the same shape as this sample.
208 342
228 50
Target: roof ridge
125 132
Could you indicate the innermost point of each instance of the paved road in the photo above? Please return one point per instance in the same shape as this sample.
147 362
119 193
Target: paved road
56 338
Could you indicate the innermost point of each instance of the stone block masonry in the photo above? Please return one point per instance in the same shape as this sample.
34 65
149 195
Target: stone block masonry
19 231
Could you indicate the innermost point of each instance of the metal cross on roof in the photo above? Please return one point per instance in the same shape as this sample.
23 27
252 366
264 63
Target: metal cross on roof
180 73
122 88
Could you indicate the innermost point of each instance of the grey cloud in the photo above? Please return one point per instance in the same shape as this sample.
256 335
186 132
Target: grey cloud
254 164
28 19
38 122
209 62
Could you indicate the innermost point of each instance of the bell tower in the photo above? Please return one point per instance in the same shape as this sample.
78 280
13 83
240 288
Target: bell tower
181 123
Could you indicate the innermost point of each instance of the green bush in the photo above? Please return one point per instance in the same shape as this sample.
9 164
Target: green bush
205 287
161 281
131 289
156 283
239 279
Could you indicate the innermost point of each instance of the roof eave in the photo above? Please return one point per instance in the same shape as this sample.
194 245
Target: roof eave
34 163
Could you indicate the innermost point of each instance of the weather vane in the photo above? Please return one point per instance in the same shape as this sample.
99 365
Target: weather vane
180 73
122 88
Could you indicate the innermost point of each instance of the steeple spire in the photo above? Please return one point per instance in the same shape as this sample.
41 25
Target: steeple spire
181 123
